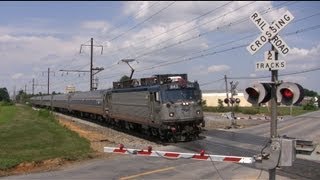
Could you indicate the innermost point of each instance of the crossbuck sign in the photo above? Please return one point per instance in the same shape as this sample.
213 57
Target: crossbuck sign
270 33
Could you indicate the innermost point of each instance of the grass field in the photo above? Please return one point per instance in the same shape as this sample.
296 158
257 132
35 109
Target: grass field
27 135
296 110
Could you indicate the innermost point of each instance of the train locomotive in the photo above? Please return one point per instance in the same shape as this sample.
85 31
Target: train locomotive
167 106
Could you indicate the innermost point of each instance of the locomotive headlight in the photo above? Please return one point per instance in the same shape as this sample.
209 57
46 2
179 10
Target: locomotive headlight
198 112
183 103
171 114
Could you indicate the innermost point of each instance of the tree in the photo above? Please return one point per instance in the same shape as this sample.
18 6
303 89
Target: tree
4 95
124 78
220 104
309 93
22 97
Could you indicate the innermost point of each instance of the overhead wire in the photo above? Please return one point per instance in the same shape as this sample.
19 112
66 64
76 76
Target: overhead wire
183 41
205 33
132 17
173 28
224 50
142 22
298 31
285 74
191 29
245 37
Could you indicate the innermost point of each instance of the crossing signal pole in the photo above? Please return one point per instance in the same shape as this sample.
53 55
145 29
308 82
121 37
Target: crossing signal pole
274 122
227 91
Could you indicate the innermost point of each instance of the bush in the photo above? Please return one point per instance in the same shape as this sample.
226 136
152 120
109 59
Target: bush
203 103
309 106
6 103
220 104
44 113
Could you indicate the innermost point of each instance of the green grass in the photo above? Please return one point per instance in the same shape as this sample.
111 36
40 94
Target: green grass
296 110
27 135
6 113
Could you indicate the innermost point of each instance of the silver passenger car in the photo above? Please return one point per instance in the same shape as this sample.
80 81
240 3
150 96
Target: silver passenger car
89 102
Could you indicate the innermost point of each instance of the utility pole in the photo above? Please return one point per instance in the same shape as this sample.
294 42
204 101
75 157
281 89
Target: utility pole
274 123
32 86
25 88
48 80
225 80
14 93
36 84
93 71
91 65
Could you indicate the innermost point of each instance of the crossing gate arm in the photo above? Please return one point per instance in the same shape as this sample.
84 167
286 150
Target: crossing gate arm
177 155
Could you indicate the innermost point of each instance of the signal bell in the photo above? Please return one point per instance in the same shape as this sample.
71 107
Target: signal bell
258 93
289 93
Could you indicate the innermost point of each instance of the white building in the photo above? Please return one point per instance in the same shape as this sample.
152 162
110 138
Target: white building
212 97
70 89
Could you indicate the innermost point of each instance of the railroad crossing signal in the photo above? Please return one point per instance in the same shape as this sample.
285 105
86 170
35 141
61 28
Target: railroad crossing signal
269 33
231 100
288 93
258 93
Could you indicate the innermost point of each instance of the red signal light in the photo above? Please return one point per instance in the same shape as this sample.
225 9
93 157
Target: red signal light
287 93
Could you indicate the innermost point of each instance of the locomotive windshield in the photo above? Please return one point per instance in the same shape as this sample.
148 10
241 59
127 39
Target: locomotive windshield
180 95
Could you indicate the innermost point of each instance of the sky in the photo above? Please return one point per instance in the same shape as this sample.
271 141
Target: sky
206 40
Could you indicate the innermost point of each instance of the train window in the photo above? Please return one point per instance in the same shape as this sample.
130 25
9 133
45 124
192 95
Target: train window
179 95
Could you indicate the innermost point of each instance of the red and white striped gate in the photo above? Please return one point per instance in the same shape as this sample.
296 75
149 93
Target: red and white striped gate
176 155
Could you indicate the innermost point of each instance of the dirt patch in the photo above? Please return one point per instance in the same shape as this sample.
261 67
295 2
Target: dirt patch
97 140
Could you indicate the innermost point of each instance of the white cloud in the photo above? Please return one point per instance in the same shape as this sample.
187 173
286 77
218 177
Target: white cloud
138 8
253 75
96 25
294 78
17 76
221 13
218 68
302 55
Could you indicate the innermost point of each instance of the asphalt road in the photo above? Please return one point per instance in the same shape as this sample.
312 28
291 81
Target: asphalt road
240 142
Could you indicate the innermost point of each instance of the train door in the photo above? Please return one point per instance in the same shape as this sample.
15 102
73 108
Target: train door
151 102
154 106
107 103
